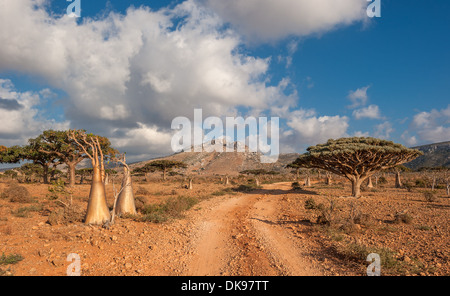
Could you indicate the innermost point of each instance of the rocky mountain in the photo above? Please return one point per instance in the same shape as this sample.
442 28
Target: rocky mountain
225 163
435 155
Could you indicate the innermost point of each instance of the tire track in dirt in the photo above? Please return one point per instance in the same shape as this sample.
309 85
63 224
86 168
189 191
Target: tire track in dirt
240 236
286 252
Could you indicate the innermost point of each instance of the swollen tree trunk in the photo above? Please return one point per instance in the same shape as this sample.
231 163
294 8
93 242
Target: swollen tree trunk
356 186
97 211
125 202
328 181
308 181
190 184
369 183
398 181
227 181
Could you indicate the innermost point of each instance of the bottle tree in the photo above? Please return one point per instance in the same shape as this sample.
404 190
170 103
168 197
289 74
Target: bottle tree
97 210
356 158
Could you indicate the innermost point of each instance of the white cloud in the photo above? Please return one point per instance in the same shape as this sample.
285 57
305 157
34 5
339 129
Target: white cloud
310 129
268 20
409 140
433 126
20 117
371 112
361 134
358 97
384 130
125 71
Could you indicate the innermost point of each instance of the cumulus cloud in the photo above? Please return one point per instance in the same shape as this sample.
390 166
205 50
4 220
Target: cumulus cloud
370 112
384 130
128 75
20 117
433 126
358 97
142 68
268 20
307 128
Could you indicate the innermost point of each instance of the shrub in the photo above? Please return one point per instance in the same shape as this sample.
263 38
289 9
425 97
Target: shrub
65 215
142 191
247 188
171 208
296 186
403 217
23 212
17 193
326 213
10 259
310 204
430 196
422 183
382 180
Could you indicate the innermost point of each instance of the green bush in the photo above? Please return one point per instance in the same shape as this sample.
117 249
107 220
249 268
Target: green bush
247 188
10 259
296 186
310 204
171 208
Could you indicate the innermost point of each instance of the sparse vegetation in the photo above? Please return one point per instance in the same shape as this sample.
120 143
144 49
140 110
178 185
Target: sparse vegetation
310 204
430 196
403 217
23 212
10 259
172 208
296 186
17 193
245 188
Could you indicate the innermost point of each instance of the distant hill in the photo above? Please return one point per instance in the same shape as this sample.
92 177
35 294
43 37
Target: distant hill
225 163
435 155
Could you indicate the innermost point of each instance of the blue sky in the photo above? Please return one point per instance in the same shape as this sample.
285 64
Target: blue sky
327 71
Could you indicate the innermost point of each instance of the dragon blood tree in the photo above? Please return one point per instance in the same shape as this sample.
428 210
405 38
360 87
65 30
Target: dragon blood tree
356 158
97 210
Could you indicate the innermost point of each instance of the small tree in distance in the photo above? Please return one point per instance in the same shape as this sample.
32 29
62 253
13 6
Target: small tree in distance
163 166
356 158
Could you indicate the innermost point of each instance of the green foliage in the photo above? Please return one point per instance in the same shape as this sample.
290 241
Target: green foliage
247 188
10 259
57 190
310 204
171 208
11 155
353 156
23 212
296 186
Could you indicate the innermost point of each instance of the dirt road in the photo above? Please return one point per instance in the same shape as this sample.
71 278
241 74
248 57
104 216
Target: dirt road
241 236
